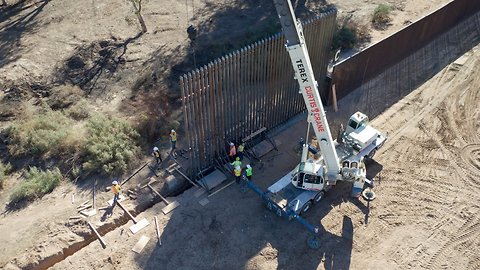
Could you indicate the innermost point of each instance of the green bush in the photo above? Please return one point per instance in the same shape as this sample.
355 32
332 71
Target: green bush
4 171
39 134
111 144
37 183
344 38
381 15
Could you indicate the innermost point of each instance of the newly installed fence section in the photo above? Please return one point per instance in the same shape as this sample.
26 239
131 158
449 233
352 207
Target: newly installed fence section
365 65
247 90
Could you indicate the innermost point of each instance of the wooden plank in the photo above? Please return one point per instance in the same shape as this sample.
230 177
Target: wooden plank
83 204
203 201
167 209
104 245
141 244
91 212
84 207
158 231
127 212
139 225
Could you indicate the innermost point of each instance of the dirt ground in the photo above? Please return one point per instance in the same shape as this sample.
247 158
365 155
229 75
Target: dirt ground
425 216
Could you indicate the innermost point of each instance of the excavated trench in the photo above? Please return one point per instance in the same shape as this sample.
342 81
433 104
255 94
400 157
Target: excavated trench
47 262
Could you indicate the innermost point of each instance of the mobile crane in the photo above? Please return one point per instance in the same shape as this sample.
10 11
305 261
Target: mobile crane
335 161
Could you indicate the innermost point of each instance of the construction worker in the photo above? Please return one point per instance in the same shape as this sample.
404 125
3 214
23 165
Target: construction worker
156 153
240 150
173 140
236 163
238 174
249 172
232 153
116 189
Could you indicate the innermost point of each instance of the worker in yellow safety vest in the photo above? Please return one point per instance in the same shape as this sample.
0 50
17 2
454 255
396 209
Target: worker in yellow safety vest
249 172
236 163
240 150
156 153
173 140
116 189
238 174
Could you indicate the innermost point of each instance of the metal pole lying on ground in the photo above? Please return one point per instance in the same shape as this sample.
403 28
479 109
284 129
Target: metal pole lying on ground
97 234
128 213
158 194
158 231
130 177
186 177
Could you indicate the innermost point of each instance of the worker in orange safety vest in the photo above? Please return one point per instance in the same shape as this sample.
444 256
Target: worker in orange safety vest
116 189
232 153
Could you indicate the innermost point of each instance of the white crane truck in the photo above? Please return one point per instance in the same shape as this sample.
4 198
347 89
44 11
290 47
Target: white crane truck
336 161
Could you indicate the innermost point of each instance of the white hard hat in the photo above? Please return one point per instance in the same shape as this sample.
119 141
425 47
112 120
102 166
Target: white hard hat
155 148
173 130
237 168
231 144
248 166
114 183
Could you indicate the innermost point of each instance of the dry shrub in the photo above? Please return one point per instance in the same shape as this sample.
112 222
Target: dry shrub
37 183
111 144
64 96
381 16
5 169
80 110
39 134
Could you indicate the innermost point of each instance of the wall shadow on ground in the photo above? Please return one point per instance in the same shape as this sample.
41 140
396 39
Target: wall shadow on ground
232 27
233 239
389 87
13 29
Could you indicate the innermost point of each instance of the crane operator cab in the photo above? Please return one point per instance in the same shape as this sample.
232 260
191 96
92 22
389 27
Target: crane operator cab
309 175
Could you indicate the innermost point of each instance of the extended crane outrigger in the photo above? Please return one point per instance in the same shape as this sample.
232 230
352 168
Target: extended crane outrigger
306 185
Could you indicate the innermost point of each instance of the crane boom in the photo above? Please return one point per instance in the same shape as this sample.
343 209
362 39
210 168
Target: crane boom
297 49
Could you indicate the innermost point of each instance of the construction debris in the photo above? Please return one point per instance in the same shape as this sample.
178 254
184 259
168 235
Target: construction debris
83 204
138 225
170 206
141 244
81 208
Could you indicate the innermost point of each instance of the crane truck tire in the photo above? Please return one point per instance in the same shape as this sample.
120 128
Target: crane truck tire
368 194
313 242
319 197
306 207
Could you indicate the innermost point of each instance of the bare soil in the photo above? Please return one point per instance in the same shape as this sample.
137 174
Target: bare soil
425 215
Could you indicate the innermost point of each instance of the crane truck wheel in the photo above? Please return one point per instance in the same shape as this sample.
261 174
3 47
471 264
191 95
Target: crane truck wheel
368 194
372 153
306 207
319 197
